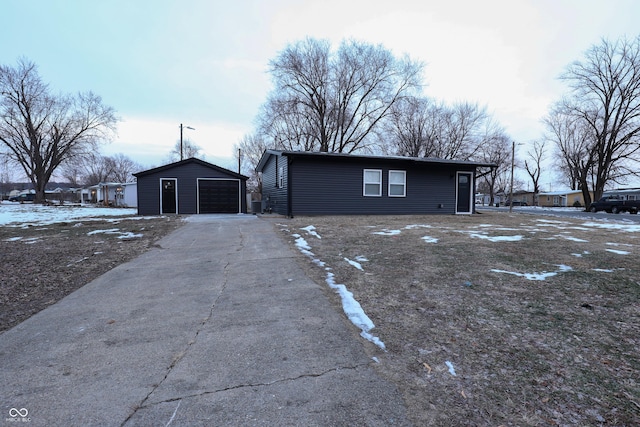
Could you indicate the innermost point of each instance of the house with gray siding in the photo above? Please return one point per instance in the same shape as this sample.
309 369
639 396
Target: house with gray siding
191 186
312 183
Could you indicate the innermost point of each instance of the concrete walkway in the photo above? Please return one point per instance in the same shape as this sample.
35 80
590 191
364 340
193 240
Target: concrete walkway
217 326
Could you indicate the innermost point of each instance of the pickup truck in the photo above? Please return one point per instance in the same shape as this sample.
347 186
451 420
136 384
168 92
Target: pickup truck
615 204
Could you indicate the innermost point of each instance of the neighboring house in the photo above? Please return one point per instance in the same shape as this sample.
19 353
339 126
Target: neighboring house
130 195
625 193
312 183
106 193
563 198
523 198
190 186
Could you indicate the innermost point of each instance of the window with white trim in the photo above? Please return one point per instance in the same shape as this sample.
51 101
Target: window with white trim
397 183
372 183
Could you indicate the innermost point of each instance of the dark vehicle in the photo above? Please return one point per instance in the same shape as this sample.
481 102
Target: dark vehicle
615 204
22 198
516 203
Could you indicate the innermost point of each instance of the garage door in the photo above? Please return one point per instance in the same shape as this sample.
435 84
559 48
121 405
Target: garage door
218 196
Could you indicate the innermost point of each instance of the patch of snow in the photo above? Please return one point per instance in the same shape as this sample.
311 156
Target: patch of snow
354 311
130 235
602 270
629 227
496 238
536 276
452 371
386 232
616 251
22 215
573 239
108 231
350 306
311 230
12 239
354 263
414 226
360 258
429 239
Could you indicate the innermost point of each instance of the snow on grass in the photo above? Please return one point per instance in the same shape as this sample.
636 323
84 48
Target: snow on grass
452 371
386 232
628 227
496 238
619 252
429 239
350 305
354 311
354 263
573 239
414 226
122 234
311 230
23 215
536 276
602 270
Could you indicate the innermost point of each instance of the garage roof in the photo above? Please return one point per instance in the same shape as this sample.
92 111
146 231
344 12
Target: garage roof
188 161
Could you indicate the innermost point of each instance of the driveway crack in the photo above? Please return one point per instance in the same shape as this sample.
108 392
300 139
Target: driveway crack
179 356
265 384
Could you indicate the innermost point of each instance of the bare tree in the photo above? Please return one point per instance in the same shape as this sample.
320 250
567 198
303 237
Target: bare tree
574 144
419 127
250 148
124 168
334 101
533 165
462 131
96 169
42 130
189 149
496 150
605 97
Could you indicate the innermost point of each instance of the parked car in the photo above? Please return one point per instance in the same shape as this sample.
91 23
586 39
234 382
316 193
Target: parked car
22 198
516 203
615 204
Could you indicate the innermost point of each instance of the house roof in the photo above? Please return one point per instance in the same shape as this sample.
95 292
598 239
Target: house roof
189 161
397 159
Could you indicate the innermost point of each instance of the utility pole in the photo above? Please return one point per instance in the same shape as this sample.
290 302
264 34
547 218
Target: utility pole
181 149
513 160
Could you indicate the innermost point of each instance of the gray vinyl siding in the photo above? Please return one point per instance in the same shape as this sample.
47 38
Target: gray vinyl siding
275 197
187 175
336 187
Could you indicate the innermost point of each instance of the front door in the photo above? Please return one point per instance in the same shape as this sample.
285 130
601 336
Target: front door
464 192
168 196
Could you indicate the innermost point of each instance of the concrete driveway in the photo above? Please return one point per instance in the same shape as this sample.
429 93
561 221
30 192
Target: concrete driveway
216 326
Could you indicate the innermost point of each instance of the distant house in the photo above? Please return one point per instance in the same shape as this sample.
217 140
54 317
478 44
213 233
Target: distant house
625 193
562 198
190 186
312 183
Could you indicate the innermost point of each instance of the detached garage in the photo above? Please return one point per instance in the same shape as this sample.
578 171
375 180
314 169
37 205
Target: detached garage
191 186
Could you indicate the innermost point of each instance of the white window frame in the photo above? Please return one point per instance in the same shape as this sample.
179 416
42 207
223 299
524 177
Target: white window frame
404 183
365 183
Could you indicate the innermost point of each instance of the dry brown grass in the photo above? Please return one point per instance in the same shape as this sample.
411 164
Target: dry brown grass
559 351
39 265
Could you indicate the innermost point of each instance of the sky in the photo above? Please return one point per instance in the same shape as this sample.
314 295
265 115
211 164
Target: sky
204 63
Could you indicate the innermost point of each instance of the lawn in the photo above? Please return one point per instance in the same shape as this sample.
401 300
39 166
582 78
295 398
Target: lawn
492 319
